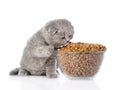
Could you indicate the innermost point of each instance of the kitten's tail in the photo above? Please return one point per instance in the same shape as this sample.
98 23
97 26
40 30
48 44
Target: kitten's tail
14 71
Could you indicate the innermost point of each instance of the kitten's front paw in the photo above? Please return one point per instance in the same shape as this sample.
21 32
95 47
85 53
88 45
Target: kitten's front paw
53 75
23 72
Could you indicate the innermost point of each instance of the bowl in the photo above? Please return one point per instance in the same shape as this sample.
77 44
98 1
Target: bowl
77 64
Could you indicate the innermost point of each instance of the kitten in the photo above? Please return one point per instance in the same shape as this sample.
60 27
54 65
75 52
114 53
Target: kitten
39 56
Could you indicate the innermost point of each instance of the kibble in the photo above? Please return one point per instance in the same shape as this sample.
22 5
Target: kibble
80 59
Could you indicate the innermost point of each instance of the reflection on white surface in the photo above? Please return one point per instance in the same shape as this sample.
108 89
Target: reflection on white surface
39 83
43 83
79 85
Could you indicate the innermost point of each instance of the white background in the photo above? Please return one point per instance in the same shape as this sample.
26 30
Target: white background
95 21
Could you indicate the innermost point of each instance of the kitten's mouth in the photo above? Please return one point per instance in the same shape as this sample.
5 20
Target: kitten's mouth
64 45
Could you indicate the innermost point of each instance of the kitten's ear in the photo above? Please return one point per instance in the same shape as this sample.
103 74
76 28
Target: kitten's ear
51 27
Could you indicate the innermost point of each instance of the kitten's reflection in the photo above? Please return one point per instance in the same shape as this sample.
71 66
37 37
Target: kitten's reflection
38 83
80 85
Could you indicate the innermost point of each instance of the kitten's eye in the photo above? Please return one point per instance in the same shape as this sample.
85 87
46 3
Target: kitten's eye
63 38
55 32
70 36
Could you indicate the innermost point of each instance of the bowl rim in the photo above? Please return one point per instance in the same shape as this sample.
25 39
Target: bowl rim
82 52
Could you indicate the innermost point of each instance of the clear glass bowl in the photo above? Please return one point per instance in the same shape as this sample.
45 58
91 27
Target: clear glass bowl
80 65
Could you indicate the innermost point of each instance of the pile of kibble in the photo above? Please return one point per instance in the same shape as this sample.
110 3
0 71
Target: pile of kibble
82 47
80 59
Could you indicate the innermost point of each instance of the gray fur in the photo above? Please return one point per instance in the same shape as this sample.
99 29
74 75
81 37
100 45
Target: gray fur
39 56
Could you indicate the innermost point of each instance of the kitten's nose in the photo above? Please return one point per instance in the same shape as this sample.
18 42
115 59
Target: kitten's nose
67 41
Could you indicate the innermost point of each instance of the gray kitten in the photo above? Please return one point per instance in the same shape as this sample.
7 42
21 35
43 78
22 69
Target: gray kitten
39 56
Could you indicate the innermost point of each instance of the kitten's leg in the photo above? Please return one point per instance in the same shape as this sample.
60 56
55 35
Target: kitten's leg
23 72
51 71
43 51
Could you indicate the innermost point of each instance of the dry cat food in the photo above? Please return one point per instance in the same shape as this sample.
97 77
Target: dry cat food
82 47
80 59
